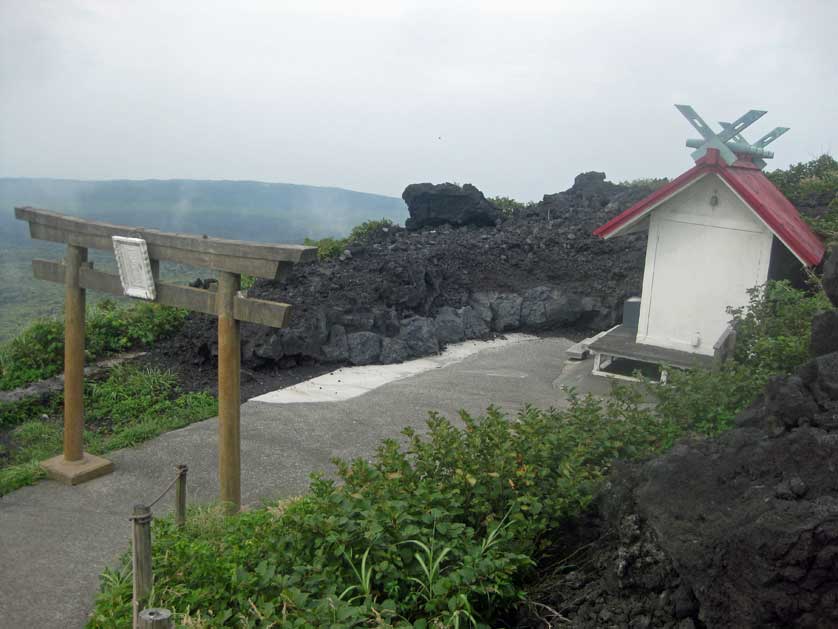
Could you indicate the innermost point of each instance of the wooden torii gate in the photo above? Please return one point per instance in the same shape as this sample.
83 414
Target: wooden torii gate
229 258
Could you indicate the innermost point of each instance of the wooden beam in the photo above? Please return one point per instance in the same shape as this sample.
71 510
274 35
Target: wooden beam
270 313
236 256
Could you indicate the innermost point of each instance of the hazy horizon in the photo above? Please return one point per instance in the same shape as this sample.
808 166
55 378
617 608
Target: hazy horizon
372 96
192 179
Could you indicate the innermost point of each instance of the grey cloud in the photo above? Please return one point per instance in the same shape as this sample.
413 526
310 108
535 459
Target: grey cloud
514 97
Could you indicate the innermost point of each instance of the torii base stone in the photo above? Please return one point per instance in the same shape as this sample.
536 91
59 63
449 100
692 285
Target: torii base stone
87 468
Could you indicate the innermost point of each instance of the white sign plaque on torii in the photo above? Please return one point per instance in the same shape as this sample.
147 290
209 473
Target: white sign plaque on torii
134 267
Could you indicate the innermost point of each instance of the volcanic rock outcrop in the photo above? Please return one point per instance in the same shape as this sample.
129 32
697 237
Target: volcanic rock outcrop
736 531
432 205
411 292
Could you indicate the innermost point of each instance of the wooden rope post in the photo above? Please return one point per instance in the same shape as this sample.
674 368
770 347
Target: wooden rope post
141 562
180 496
74 303
229 395
155 619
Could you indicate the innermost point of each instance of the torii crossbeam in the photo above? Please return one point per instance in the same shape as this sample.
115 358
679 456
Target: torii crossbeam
230 258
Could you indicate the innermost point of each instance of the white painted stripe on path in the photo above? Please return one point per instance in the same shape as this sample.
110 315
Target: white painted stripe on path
350 382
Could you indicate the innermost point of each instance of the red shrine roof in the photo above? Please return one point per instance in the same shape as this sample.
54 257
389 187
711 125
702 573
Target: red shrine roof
752 186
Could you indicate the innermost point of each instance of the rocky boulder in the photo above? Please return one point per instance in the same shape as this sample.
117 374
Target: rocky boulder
751 519
830 274
736 531
447 203
364 347
449 326
419 336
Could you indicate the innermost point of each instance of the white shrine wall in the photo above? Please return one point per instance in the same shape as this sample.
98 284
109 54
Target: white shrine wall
700 259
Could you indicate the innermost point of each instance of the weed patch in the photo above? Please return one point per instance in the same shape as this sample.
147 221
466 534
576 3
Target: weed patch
130 406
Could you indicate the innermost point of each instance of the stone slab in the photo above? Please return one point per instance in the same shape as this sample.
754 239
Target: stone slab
76 472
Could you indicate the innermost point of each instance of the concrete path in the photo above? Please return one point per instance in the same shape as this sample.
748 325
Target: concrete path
55 540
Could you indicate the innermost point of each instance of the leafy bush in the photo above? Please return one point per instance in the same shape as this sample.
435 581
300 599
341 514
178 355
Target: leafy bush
773 331
112 328
38 352
651 183
507 205
809 184
705 401
772 338
360 232
329 247
813 185
435 533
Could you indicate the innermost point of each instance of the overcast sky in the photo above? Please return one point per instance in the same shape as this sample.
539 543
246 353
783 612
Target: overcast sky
516 97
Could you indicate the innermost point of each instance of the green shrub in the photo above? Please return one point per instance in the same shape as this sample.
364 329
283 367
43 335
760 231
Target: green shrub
438 532
650 183
507 205
38 352
809 184
111 328
360 232
773 331
813 185
706 402
772 338
327 248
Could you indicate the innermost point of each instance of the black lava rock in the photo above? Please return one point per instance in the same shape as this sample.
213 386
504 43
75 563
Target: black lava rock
447 203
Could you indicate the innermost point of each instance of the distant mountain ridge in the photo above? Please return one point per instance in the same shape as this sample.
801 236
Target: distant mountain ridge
249 210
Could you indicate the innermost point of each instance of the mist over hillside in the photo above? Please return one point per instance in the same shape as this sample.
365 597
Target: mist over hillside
251 210
243 210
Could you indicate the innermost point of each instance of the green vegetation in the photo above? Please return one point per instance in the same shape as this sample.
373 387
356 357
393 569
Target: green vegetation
652 183
772 338
773 331
443 531
705 402
437 533
38 352
507 205
329 247
813 186
130 406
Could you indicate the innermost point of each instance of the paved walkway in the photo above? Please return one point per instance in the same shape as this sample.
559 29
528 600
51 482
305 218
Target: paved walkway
55 540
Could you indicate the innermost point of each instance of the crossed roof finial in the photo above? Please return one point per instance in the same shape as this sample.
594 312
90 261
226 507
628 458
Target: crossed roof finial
729 141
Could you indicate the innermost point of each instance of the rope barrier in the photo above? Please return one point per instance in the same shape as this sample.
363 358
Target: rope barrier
181 471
